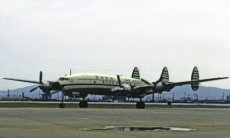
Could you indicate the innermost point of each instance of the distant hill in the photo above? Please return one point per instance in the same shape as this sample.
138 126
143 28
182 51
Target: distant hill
26 90
211 93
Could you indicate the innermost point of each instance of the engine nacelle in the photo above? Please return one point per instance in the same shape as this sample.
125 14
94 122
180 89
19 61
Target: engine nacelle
159 86
45 86
76 94
126 88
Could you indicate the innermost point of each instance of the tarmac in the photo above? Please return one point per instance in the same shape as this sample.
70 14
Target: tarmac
116 122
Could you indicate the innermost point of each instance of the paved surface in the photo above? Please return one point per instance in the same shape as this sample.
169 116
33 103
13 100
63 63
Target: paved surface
70 122
119 105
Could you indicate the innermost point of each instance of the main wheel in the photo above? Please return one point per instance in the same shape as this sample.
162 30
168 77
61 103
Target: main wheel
140 105
61 105
169 103
83 104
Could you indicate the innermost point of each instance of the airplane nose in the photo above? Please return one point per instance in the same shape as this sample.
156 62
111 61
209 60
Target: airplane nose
56 86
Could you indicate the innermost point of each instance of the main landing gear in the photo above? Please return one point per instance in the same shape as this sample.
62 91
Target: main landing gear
169 103
82 104
140 105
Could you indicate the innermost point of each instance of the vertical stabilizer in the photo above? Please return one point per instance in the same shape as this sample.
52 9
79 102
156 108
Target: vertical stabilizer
195 76
164 75
136 73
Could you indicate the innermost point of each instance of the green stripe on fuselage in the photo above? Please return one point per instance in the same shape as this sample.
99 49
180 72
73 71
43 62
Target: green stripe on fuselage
95 82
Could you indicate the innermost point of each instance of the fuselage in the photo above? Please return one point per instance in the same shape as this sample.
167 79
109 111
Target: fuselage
89 83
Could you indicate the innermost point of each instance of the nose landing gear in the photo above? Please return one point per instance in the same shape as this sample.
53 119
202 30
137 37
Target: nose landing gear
62 105
83 104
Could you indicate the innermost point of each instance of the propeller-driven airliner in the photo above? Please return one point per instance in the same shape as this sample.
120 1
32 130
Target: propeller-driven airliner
81 85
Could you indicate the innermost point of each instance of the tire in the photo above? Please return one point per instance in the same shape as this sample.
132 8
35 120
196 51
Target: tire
61 105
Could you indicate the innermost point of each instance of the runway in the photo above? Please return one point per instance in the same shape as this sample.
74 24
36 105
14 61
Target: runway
91 122
118 105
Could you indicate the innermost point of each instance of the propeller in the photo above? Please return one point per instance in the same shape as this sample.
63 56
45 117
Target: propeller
119 80
47 86
34 89
123 87
40 77
40 82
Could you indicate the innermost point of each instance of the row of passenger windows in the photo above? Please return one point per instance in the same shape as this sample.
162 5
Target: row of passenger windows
104 78
106 82
111 82
112 79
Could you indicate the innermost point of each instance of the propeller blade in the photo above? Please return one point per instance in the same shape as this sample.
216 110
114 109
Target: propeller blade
34 89
53 92
40 77
119 80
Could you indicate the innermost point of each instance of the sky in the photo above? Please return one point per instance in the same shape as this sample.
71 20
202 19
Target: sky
113 36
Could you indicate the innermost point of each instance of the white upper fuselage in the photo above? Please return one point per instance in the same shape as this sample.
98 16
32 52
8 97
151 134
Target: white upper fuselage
95 83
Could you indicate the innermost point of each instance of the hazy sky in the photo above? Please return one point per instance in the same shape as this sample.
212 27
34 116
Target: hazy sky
113 36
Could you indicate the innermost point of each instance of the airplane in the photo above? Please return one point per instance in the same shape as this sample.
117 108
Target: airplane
81 85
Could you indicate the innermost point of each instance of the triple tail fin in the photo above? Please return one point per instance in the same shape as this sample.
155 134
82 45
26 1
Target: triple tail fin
164 76
136 73
195 77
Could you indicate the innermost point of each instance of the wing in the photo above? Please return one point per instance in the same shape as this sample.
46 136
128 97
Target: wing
194 81
143 88
21 80
141 91
136 91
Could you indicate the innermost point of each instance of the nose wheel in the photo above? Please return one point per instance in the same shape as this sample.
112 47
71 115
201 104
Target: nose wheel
61 105
140 105
169 103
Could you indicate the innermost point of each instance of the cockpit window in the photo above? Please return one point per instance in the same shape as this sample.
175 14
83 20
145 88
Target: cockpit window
62 79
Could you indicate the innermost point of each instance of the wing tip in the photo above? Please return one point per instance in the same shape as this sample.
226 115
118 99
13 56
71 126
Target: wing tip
5 78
